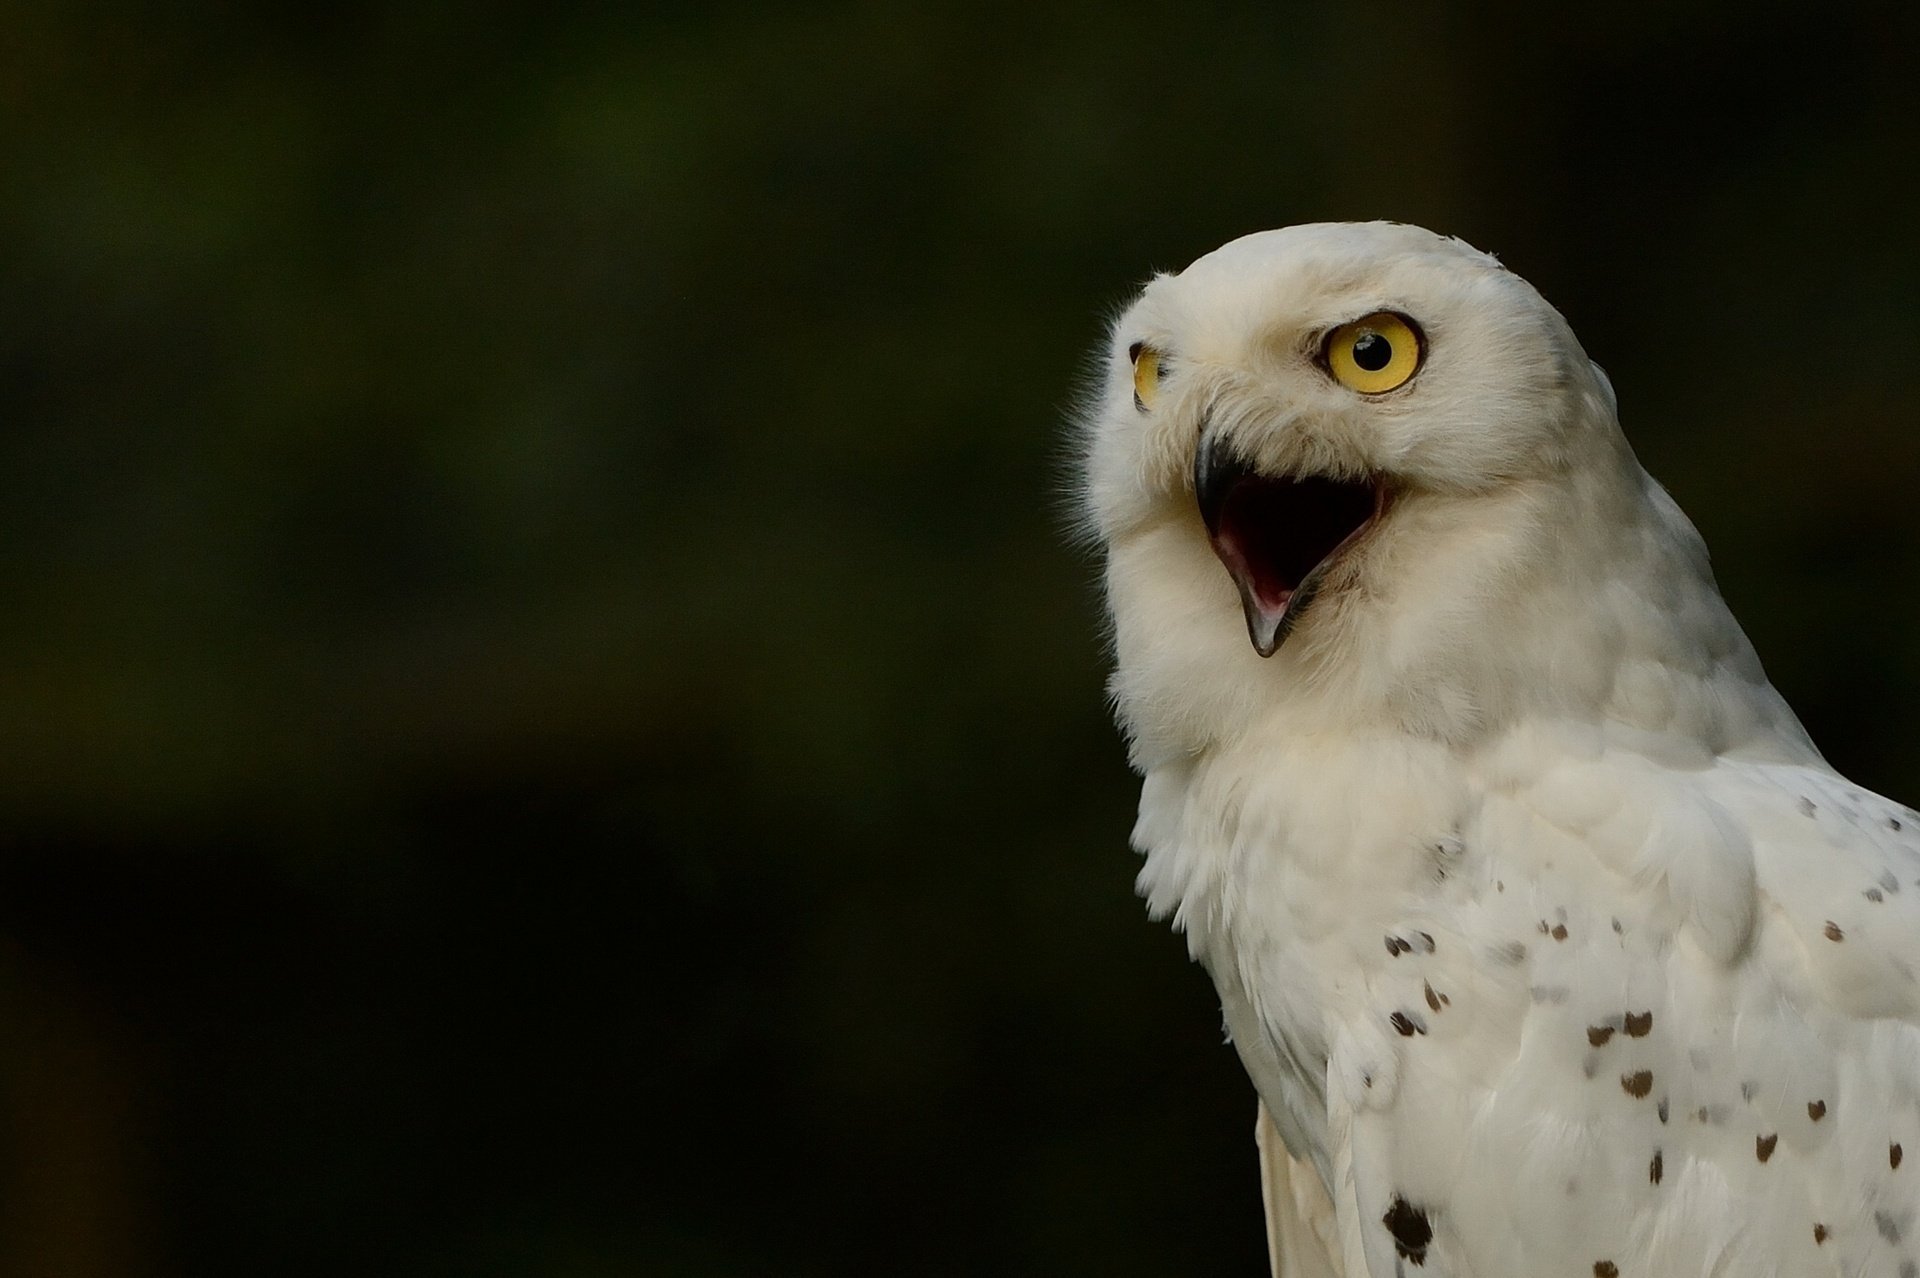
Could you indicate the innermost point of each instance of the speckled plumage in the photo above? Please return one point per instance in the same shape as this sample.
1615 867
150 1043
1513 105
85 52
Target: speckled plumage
1550 942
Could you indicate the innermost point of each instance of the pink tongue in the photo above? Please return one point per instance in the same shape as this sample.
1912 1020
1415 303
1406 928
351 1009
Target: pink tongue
1263 599
1252 573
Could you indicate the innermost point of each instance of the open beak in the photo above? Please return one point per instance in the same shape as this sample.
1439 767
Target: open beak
1277 534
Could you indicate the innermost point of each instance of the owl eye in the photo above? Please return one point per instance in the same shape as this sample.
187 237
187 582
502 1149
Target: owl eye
1374 354
1146 374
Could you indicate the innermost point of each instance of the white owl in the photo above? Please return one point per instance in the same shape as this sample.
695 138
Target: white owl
1550 942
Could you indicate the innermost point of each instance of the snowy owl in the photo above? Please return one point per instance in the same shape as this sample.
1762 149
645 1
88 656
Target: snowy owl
1550 942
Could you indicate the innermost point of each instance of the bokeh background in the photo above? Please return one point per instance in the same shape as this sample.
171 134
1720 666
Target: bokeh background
547 723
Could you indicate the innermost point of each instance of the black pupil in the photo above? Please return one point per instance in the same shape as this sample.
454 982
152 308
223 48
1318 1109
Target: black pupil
1372 352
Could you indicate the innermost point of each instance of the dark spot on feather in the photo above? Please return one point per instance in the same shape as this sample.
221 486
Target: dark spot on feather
1597 1035
1638 1023
1661 1109
1816 1110
1806 806
1433 1000
1819 1234
1559 931
1616 928
1605 1269
1656 1168
1591 1065
1893 1156
1512 953
1746 1091
1544 928
1396 946
1426 941
1873 894
1763 1146
1889 1227
1407 1025
1638 1083
1890 884
1893 823
1411 1229
1498 886
1366 1080
1833 931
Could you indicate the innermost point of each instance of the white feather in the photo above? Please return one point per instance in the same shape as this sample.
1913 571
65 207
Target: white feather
1537 921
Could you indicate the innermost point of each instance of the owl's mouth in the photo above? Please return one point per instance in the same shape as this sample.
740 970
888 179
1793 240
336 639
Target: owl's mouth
1278 534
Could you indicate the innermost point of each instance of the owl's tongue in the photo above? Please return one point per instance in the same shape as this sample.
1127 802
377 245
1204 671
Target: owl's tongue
1276 535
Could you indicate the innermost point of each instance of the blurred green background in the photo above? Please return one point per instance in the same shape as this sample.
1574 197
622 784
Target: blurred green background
549 727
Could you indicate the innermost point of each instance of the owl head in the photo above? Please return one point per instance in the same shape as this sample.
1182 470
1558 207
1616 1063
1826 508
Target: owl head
1345 459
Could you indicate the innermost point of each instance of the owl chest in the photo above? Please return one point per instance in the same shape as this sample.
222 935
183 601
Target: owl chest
1300 886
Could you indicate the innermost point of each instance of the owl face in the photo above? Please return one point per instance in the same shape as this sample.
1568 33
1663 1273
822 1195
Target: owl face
1285 397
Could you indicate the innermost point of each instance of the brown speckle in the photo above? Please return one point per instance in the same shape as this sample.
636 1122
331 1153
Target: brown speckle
1746 1091
1411 1229
1597 1035
1833 931
1889 1227
1638 1023
1426 941
1819 1234
1893 1155
1591 1065
1637 1084
1893 823
1433 1000
1513 953
1656 1168
1395 946
1816 1110
1498 886
1806 806
1605 1269
1661 1109
1544 927
1874 895
1763 1146
1559 932
1617 929
1407 1025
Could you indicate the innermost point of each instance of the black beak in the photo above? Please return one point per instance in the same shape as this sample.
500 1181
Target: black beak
1277 535
1216 470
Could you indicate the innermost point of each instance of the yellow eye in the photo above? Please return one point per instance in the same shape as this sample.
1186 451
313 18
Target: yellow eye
1375 354
1146 374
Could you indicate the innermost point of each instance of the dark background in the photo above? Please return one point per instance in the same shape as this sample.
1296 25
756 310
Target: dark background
547 726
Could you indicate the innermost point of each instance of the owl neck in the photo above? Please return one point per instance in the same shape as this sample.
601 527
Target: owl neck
1584 596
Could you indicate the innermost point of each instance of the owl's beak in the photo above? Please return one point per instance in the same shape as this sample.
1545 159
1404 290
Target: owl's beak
1277 534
